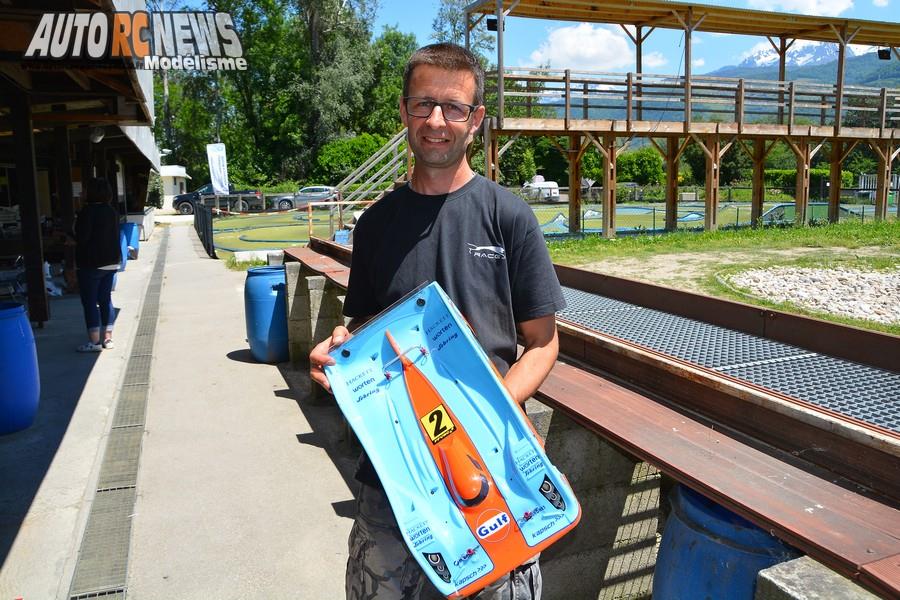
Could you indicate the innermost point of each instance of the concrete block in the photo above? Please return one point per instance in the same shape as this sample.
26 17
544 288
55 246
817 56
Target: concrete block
806 579
624 573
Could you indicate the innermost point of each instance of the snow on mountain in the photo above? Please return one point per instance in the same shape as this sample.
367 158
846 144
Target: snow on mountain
801 53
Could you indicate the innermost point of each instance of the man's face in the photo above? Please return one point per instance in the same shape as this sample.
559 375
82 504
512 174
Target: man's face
436 142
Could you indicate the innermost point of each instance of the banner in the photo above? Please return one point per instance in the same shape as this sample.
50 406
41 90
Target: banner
218 168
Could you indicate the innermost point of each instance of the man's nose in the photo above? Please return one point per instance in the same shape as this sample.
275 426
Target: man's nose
436 118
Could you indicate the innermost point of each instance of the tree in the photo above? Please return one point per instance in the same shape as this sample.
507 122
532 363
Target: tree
450 26
391 51
338 158
517 163
644 167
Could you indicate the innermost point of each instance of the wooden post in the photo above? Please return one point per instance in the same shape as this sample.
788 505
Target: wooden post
672 183
639 67
791 100
834 191
711 218
495 158
574 157
758 193
883 179
500 65
739 106
839 84
801 193
629 99
782 74
26 174
568 98
584 101
687 72
609 187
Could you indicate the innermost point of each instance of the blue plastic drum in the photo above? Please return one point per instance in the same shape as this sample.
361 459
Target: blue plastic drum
264 308
708 551
132 237
20 383
123 245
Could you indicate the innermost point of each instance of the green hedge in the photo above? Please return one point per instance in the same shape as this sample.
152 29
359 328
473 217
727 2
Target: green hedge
787 178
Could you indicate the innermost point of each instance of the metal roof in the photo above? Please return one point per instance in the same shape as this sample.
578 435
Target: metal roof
717 19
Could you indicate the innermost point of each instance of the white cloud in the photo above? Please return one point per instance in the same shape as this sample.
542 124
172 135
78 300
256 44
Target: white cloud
654 60
585 47
698 62
880 3
828 8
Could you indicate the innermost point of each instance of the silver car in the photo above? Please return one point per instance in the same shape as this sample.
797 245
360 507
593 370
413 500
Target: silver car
311 193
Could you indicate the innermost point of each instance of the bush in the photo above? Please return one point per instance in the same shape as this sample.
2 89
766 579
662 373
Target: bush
155 190
787 178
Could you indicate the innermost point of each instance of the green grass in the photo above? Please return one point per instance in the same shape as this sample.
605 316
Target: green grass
232 263
717 284
573 251
269 231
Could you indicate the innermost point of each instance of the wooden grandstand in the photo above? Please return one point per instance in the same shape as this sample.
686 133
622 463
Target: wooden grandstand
595 108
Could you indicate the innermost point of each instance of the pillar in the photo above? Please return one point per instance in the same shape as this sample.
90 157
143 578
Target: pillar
801 193
758 191
883 180
711 218
609 186
26 174
834 190
575 225
672 184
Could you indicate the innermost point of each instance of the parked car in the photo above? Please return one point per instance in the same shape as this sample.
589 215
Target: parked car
184 203
311 193
546 191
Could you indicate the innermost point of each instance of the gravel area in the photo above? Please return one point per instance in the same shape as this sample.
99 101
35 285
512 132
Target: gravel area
871 295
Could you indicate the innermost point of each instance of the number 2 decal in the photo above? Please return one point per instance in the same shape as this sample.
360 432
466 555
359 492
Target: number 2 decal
438 424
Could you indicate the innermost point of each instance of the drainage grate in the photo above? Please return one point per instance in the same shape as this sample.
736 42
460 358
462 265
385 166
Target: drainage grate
102 567
859 391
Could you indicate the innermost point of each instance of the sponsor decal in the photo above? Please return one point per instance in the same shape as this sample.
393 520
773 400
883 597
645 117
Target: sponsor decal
164 40
489 252
493 525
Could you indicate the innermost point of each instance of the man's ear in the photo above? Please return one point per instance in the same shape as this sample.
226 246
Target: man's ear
477 118
403 116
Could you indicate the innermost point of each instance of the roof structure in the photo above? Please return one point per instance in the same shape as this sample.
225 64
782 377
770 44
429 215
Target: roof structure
717 19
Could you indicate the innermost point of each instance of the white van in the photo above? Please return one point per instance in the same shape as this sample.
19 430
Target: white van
545 191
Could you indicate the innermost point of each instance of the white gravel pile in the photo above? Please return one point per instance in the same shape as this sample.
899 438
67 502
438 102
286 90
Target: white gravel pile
872 295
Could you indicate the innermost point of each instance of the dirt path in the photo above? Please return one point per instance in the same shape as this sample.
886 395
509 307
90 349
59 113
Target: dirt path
689 270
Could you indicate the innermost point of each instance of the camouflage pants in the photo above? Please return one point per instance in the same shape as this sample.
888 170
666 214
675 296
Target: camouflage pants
380 566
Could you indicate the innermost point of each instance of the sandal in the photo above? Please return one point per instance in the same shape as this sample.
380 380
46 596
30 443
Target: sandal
89 347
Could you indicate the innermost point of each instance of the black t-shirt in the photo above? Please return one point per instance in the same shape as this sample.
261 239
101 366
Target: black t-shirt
481 243
97 236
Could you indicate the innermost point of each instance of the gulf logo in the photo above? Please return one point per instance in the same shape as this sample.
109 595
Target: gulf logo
493 525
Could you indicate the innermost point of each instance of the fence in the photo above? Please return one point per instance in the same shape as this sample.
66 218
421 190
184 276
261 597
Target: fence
203 225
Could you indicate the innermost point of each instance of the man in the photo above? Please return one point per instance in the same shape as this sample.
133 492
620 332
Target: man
483 245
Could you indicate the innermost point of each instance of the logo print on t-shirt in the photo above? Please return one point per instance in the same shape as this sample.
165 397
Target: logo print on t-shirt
490 252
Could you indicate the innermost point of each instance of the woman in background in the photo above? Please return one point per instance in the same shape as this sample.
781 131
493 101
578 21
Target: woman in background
97 257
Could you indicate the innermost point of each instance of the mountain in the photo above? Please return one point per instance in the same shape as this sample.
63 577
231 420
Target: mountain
865 69
801 53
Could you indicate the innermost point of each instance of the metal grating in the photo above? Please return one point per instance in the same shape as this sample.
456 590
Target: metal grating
131 407
858 391
578 302
102 560
855 390
102 564
700 343
120 462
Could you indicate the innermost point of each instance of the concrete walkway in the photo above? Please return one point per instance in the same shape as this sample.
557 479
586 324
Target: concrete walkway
244 487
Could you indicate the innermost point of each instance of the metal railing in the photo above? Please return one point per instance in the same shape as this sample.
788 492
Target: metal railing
378 173
203 225
336 209
645 96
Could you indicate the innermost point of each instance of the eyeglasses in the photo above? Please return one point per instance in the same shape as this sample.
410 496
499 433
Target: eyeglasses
452 111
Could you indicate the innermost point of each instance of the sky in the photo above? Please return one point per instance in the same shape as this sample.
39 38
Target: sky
584 46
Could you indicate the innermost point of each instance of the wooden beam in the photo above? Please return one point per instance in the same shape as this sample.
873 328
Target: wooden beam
801 192
594 141
699 142
509 143
711 216
758 189
834 191
500 64
609 187
575 225
671 156
26 175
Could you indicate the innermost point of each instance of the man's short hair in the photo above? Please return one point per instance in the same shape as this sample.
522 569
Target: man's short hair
450 57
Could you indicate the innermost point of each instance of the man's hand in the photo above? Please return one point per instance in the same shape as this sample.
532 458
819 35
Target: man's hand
319 357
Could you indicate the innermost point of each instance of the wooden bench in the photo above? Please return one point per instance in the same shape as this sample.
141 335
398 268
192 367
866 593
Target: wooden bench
850 533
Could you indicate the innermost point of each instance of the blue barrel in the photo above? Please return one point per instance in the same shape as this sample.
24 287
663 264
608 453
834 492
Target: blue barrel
20 383
123 245
708 551
264 309
132 237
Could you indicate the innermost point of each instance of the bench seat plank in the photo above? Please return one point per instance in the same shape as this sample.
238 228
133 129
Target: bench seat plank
836 526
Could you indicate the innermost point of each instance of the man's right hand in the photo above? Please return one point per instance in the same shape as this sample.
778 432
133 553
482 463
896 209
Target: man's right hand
319 357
